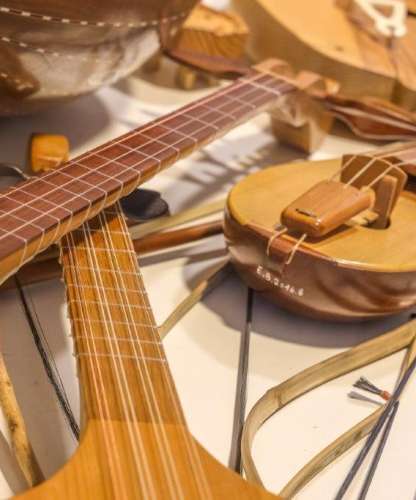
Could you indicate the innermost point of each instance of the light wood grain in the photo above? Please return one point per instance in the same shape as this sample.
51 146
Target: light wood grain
319 36
260 198
356 271
17 428
134 442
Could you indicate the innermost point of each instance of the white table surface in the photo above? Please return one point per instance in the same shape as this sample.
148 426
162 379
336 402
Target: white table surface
203 348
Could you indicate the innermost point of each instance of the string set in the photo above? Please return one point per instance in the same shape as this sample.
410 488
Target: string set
143 373
241 100
388 413
281 230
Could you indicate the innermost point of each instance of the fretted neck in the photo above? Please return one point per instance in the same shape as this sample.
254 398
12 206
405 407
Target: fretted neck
37 213
122 365
135 443
141 443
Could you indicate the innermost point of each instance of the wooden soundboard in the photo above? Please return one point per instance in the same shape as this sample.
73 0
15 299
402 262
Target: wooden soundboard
320 37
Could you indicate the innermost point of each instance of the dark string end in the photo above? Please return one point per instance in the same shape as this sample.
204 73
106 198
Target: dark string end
375 431
52 372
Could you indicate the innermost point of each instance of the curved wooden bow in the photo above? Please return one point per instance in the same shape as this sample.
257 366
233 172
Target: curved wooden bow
279 396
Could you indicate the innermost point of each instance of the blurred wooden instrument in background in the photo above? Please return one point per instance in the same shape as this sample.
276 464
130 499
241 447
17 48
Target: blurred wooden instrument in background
323 36
52 51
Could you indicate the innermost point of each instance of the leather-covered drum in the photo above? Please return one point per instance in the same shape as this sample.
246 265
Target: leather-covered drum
54 50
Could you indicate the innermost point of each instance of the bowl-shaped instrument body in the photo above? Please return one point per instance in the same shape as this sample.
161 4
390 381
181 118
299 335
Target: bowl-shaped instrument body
354 273
53 50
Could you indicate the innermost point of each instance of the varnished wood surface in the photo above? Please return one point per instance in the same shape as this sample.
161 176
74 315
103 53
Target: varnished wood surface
213 33
318 36
52 51
260 198
355 272
36 213
411 5
134 443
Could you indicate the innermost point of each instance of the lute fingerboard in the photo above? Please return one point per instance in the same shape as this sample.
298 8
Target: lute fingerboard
38 212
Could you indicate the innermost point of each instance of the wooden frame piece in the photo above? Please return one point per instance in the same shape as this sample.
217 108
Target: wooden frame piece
207 283
279 396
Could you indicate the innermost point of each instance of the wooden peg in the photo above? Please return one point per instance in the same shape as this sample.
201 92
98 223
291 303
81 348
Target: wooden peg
186 78
385 200
48 152
325 207
305 126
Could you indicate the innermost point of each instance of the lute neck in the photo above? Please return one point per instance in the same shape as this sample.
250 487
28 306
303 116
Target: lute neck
119 352
135 443
128 393
36 213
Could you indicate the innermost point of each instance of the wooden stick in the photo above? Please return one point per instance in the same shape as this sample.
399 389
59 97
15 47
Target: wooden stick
209 281
241 388
160 241
353 435
17 428
158 225
309 379
163 223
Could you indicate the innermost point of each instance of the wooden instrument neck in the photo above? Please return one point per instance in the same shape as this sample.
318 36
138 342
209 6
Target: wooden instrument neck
120 355
135 440
38 212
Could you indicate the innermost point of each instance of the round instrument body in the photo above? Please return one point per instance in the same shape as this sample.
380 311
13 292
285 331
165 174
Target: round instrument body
354 273
54 50
319 36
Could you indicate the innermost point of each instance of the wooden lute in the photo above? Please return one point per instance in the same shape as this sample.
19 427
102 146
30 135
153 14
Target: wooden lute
135 443
321 36
331 238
